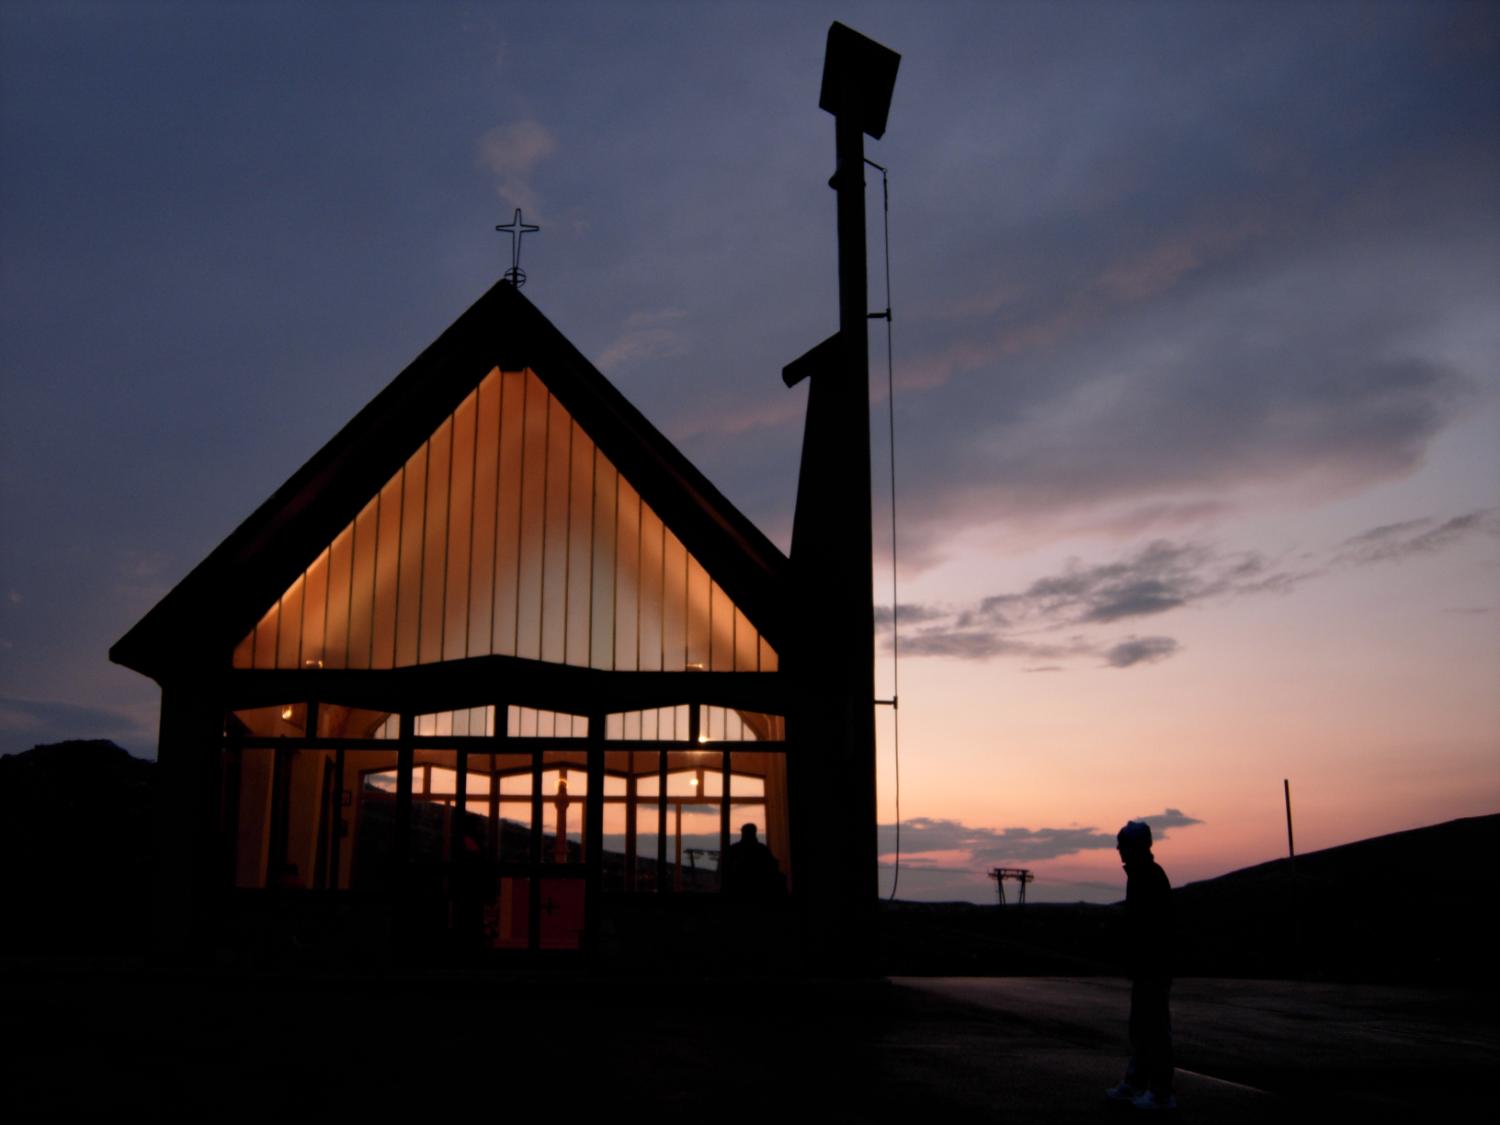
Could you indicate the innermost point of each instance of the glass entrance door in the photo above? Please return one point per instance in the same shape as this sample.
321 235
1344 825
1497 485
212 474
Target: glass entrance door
527 814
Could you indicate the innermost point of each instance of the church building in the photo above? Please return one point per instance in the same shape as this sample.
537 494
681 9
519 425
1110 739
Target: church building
499 669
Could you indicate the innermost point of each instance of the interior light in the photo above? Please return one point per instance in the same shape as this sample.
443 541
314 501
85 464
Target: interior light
286 712
702 737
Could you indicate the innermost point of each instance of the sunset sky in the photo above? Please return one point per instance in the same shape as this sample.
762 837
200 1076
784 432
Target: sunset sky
1197 327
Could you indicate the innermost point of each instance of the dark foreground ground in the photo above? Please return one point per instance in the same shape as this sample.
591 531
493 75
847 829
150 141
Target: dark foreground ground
1359 987
120 1040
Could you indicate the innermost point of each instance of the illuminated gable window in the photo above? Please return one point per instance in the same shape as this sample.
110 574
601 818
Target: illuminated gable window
509 533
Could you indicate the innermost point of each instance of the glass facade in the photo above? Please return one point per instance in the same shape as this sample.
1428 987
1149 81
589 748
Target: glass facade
497 834
498 824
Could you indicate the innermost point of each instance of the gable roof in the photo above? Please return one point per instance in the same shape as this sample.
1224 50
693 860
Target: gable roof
203 617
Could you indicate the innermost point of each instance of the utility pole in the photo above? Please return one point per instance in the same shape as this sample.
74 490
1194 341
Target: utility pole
1291 852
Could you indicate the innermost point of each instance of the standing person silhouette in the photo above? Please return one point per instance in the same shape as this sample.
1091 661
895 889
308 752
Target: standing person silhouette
751 868
1148 936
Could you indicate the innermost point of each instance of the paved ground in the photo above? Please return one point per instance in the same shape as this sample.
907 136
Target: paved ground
1246 1049
127 1041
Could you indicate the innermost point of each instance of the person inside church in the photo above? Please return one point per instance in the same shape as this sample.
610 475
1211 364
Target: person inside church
751 870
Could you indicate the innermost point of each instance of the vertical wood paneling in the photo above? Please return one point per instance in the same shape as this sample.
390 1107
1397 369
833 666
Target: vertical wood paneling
387 574
767 656
486 492
460 523
721 626
745 642
606 525
508 531
559 494
627 578
674 604
508 541
698 601
533 522
650 591
580 548
362 587
314 612
340 563
289 645
265 637
435 544
409 584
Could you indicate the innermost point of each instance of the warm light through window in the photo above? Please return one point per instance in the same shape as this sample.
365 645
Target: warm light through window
550 554
286 712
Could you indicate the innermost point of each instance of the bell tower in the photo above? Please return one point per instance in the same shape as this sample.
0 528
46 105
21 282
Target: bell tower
832 563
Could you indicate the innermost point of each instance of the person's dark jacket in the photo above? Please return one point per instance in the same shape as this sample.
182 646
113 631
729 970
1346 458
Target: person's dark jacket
1148 920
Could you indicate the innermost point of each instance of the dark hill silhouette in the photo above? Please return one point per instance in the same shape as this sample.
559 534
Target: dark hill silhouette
1410 906
76 828
1407 906
77 825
